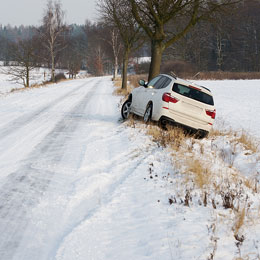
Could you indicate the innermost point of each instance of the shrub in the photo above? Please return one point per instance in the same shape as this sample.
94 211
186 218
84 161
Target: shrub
180 68
248 142
201 174
173 137
142 68
59 77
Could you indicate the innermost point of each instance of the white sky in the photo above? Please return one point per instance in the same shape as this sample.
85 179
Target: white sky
30 12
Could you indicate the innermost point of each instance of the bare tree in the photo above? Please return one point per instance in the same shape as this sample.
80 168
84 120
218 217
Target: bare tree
72 60
154 15
110 36
98 49
116 47
98 58
118 13
23 62
52 32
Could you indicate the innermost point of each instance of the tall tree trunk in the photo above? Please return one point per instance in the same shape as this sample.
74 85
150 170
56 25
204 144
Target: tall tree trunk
27 77
52 65
156 59
115 67
125 65
52 69
219 52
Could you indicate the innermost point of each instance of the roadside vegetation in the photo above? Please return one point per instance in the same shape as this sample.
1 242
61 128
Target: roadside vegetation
208 173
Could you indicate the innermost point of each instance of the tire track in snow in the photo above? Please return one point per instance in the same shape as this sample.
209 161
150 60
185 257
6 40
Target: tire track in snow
96 202
24 187
26 119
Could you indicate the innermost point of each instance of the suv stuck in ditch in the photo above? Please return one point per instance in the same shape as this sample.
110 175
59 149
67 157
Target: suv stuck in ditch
170 99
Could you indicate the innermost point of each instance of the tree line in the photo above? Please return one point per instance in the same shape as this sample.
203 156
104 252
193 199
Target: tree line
201 35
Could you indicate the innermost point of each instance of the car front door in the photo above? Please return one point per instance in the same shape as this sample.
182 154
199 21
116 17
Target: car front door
147 94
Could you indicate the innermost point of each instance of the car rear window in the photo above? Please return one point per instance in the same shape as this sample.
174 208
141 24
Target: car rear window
193 94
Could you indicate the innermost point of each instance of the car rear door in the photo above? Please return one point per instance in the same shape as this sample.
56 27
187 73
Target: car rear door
159 90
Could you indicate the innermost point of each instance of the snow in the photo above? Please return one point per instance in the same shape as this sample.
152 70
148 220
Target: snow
140 60
78 183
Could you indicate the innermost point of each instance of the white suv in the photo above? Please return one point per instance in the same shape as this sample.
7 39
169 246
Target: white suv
169 99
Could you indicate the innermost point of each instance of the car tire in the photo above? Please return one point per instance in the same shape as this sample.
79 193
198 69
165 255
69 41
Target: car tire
162 124
125 110
148 113
201 134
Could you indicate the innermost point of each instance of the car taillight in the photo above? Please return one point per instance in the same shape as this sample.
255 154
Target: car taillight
168 98
211 113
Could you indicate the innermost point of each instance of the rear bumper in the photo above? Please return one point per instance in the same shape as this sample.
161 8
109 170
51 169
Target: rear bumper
167 120
192 123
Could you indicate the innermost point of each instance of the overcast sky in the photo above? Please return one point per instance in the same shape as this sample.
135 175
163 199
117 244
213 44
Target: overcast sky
30 12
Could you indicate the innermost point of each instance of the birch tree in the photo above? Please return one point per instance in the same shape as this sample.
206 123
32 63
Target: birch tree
52 32
116 48
110 36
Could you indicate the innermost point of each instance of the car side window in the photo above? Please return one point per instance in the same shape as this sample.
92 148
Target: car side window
153 81
162 82
166 82
159 82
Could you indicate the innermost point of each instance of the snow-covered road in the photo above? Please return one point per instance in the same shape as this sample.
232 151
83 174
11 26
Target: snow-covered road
38 145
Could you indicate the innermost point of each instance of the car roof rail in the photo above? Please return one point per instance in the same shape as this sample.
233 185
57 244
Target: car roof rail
173 74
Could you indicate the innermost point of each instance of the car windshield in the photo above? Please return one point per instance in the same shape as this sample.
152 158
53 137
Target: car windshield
193 93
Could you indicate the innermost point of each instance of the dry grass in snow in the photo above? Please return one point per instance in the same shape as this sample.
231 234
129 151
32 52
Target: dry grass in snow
118 90
213 173
133 82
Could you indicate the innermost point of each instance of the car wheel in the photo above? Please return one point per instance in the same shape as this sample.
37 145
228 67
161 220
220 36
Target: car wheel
162 123
201 134
148 113
125 110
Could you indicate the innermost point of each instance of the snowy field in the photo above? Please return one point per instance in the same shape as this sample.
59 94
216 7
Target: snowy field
38 76
237 103
78 183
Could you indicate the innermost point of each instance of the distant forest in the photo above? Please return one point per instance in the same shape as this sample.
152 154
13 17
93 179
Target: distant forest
230 43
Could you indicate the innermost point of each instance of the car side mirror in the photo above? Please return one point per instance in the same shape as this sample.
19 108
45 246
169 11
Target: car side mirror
142 83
